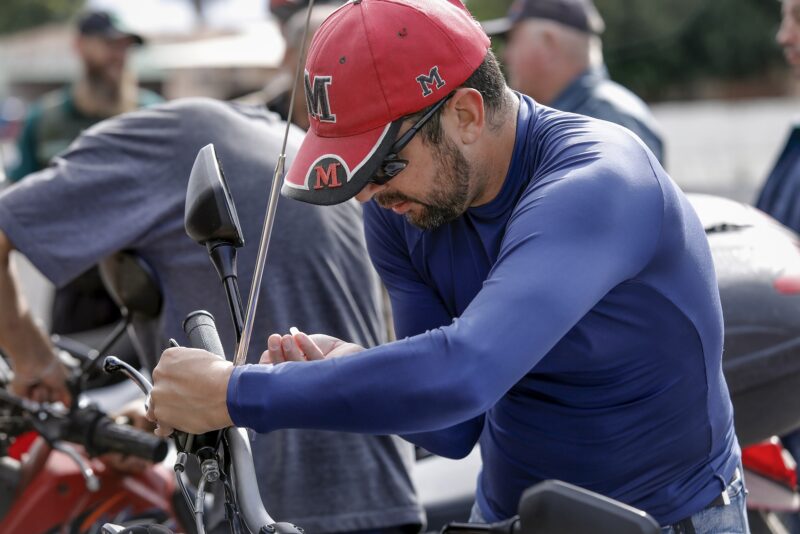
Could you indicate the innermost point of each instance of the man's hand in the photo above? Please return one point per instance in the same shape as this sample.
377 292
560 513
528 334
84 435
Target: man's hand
42 380
300 347
38 373
133 414
190 389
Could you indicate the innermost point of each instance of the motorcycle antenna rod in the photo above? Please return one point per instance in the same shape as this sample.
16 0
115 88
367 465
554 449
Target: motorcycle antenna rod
272 205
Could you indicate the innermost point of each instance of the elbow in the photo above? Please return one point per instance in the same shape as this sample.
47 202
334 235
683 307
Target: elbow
456 451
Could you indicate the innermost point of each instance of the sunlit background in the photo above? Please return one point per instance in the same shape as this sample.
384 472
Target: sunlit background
710 69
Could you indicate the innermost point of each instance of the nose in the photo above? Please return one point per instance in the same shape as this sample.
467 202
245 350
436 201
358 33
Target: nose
368 192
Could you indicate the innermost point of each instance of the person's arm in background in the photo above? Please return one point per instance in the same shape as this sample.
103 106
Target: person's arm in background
37 370
26 147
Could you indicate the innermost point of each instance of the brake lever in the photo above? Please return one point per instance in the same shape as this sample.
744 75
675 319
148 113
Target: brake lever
92 482
112 364
49 425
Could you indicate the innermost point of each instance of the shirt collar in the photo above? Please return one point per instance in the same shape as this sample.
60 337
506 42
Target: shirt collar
578 91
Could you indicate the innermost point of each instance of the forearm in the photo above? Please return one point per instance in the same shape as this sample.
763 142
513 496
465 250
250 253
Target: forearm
21 339
414 385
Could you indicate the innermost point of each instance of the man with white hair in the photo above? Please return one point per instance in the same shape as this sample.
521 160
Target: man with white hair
554 55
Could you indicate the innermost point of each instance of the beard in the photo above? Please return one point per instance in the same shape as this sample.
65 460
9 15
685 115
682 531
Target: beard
450 196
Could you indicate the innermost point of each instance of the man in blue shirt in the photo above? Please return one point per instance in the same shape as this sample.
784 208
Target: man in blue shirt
780 196
553 291
554 54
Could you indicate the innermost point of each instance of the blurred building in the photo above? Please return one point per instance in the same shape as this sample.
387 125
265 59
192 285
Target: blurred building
208 63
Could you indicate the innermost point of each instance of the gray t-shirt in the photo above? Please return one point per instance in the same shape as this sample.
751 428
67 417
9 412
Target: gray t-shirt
121 186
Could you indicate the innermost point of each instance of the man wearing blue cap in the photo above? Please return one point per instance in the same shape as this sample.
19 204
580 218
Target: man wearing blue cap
554 54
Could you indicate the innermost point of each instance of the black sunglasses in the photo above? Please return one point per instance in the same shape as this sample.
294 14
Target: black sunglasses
392 165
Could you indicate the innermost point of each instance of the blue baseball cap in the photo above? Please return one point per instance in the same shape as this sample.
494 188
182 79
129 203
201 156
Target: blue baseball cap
106 25
581 15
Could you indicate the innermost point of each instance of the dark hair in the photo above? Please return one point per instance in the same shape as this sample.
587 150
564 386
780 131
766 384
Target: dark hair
489 81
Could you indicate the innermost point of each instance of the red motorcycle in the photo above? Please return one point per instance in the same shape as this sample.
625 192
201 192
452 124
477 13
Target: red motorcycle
59 485
51 479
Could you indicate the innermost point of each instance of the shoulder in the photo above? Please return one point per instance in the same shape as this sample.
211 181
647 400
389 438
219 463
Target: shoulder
590 166
569 142
612 102
146 97
49 104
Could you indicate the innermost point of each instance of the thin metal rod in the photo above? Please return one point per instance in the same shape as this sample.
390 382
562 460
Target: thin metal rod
272 206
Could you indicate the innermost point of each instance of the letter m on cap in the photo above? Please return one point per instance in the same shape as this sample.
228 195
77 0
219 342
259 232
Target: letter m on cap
433 78
318 99
327 176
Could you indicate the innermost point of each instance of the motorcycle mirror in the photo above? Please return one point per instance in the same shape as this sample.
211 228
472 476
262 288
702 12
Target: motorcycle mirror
131 284
555 507
210 215
210 219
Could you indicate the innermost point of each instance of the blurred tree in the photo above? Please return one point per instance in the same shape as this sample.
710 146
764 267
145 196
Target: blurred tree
21 14
673 48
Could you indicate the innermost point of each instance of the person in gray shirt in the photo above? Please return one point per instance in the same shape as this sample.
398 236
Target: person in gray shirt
122 186
554 54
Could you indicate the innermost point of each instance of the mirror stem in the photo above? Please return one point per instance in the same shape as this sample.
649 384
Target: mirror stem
223 256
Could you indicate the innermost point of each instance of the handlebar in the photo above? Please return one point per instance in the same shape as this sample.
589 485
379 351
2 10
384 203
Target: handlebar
104 435
202 332
84 425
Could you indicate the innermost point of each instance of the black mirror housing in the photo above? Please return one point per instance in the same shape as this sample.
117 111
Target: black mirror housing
555 507
210 215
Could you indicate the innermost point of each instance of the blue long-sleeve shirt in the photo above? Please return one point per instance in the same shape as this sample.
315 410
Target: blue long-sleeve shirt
572 324
780 196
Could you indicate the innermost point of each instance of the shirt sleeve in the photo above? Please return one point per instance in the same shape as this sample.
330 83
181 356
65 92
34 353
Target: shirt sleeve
98 197
573 237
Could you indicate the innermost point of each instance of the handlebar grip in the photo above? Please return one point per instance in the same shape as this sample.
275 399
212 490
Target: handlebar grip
202 332
110 436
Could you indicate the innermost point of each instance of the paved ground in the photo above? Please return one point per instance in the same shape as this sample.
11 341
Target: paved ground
725 148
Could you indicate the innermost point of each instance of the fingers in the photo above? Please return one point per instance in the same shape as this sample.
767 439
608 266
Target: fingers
294 347
274 353
125 463
163 431
307 345
291 351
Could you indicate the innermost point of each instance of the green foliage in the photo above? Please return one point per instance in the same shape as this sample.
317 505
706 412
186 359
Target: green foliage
18 15
666 48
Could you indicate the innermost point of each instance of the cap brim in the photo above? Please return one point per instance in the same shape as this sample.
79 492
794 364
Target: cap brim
115 34
497 26
331 170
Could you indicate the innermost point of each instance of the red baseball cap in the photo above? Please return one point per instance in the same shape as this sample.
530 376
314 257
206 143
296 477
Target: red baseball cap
371 63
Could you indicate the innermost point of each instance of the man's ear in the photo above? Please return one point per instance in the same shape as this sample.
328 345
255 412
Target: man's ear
469 117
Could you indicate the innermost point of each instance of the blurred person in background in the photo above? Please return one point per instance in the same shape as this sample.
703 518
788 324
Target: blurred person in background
106 87
276 95
554 54
780 196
